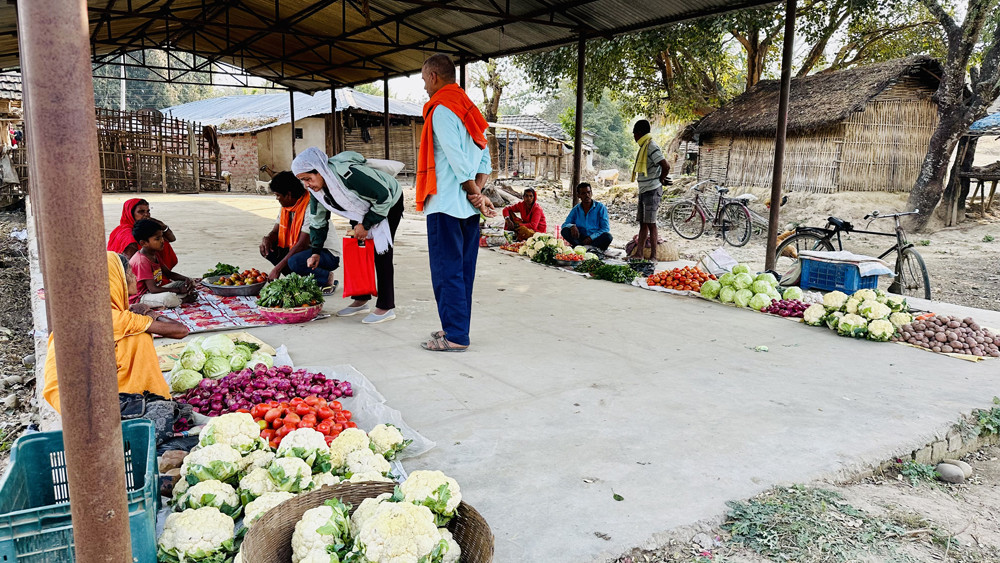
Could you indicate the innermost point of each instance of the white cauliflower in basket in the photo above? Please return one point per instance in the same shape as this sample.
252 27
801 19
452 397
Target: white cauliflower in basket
262 504
366 461
369 476
320 527
216 461
454 552
195 534
237 430
308 445
350 440
365 510
323 479
211 493
434 490
400 532
255 459
256 483
317 557
290 474
387 440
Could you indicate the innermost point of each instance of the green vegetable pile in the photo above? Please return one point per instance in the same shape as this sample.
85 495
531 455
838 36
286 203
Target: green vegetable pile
290 291
545 255
615 273
588 266
221 269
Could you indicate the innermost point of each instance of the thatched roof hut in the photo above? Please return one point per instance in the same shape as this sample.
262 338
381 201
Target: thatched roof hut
865 128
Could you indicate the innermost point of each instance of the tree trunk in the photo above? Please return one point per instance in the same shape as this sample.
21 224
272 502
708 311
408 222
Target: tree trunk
927 190
957 189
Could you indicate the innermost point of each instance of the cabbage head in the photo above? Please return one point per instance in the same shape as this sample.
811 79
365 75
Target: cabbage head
727 294
853 325
580 249
589 256
216 367
761 286
743 297
710 289
183 379
760 301
743 281
192 359
793 292
259 357
240 357
218 345
727 279
767 277
741 269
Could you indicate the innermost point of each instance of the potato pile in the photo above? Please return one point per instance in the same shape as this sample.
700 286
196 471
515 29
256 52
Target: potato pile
950 335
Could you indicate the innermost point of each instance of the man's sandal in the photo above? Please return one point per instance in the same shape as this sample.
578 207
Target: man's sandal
442 345
331 289
438 334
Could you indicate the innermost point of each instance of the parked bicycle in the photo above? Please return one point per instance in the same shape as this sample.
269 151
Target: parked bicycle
911 272
731 217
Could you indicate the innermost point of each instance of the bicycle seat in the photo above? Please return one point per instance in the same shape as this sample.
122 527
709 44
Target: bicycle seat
722 191
841 224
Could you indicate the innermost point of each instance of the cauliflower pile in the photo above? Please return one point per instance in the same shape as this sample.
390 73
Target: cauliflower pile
290 474
218 462
387 441
237 430
195 535
350 440
868 313
211 493
321 531
436 491
308 445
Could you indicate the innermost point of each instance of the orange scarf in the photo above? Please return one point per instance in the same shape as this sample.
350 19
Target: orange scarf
454 98
290 222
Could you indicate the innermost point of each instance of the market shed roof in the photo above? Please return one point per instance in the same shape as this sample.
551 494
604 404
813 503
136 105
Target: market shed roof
309 45
817 100
989 125
10 86
251 113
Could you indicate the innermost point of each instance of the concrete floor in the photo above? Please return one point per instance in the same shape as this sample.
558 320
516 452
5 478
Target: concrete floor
576 390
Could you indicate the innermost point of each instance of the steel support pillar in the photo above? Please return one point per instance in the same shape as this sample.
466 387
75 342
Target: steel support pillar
779 140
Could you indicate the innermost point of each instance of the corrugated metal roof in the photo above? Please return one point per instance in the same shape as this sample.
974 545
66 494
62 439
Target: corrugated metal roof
309 45
10 86
989 125
247 114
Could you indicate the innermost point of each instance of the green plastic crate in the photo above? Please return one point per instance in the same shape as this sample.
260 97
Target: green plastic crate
35 522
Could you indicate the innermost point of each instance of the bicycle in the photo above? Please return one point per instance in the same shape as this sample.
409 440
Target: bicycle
688 217
911 272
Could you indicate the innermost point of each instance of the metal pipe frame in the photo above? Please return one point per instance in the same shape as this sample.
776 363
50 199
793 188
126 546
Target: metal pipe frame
581 56
779 141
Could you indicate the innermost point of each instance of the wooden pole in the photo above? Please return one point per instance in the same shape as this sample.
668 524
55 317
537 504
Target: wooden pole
333 120
461 74
779 141
291 112
581 51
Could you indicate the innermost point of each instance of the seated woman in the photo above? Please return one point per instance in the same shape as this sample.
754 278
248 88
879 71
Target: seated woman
122 241
531 220
138 366
300 231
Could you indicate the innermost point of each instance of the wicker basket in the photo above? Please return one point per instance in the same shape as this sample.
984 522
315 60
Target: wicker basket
270 538
293 315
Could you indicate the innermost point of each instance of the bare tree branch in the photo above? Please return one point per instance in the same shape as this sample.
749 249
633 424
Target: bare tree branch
945 19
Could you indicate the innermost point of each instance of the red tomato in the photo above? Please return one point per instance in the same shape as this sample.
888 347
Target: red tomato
296 401
311 400
337 428
258 411
328 439
350 424
267 434
277 423
305 424
324 413
333 434
324 427
274 443
310 418
340 417
283 431
302 409
347 414
272 414
335 405
292 418
243 410
273 404
320 403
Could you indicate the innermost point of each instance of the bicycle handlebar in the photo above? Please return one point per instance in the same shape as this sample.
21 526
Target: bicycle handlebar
876 215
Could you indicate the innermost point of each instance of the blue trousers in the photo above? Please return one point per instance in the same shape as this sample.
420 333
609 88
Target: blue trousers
453 247
603 240
327 262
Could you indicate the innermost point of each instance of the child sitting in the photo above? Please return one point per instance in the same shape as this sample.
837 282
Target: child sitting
150 273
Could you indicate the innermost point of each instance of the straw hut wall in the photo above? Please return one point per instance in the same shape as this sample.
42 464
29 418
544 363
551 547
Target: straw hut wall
864 129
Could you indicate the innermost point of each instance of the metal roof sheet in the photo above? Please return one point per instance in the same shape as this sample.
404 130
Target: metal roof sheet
311 45
10 86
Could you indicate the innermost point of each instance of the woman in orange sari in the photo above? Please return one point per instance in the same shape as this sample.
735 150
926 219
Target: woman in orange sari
138 366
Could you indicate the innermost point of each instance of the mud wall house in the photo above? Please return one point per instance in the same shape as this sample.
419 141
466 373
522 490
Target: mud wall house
256 130
538 148
863 129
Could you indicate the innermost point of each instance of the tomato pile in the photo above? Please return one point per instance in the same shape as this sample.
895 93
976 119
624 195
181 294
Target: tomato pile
572 257
277 419
512 246
688 278
246 277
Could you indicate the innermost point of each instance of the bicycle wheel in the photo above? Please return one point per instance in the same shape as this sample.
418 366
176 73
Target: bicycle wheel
735 224
686 220
787 252
911 275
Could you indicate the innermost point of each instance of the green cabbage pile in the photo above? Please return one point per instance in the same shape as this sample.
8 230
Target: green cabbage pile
213 357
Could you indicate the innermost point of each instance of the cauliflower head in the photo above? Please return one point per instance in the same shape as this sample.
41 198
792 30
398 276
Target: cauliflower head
262 504
873 310
866 295
255 484
387 441
255 459
366 461
324 526
434 490
897 303
880 330
350 440
852 325
454 552
400 532
835 300
833 319
290 474
366 477
900 319
237 430
218 462
323 479
814 314
194 535
851 307
365 510
308 445
211 493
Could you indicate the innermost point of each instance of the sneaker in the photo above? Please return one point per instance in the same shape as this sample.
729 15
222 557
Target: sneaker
348 311
372 318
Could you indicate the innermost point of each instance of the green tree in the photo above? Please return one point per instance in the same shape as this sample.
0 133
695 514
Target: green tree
147 88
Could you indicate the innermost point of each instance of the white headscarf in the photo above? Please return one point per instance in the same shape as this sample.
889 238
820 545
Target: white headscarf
355 208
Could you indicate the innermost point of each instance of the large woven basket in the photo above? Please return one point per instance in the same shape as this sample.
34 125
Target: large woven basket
269 540
293 315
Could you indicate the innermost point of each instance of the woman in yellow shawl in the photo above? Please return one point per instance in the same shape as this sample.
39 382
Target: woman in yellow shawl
138 366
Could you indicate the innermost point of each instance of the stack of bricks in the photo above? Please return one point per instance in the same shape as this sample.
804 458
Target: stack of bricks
239 157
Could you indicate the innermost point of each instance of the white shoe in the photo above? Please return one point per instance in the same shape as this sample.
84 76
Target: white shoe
375 318
349 311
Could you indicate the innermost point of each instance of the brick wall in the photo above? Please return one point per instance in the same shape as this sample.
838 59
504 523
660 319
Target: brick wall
239 157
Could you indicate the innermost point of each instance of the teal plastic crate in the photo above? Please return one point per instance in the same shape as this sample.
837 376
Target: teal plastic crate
35 521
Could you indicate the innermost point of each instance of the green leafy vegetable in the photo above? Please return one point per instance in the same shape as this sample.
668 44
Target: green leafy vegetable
615 273
252 346
290 291
221 269
589 265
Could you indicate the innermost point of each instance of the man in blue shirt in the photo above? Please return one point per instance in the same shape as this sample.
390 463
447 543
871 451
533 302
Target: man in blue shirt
587 223
449 193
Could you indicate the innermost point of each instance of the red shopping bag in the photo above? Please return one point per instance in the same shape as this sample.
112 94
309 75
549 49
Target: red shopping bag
359 267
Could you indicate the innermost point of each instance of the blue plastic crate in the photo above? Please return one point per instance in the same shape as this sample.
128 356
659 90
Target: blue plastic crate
829 276
35 521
